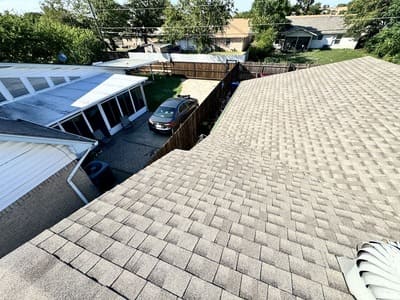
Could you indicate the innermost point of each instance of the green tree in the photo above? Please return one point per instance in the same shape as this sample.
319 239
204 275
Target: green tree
147 14
369 17
27 39
304 5
386 43
197 20
243 15
377 24
263 44
315 9
111 17
269 13
70 12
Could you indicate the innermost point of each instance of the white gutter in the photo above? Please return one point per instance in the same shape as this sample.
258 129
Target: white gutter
69 179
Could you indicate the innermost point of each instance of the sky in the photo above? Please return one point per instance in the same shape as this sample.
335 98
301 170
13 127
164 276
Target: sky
22 6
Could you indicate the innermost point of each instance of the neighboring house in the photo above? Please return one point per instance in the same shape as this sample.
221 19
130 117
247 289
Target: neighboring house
299 171
88 101
237 36
317 32
338 10
40 179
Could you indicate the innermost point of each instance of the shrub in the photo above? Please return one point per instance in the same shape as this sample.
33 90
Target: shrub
263 45
386 43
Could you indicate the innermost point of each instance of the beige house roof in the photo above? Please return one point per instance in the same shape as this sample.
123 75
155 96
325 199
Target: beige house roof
237 28
300 168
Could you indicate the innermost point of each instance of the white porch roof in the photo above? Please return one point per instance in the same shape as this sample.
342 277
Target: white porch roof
47 107
126 63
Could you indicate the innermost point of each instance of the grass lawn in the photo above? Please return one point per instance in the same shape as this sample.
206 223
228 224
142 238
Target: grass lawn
320 57
162 88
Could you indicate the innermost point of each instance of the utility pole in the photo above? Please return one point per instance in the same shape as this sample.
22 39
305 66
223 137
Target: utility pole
95 20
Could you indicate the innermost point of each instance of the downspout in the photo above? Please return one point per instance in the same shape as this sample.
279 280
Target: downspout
69 179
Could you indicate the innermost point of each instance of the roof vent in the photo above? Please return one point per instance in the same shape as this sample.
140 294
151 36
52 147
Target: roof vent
375 273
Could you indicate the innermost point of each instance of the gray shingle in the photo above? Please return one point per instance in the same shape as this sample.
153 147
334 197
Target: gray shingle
209 250
74 232
150 292
176 256
170 278
62 225
249 266
85 261
276 277
152 246
141 264
53 243
124 234
105 272
129 285
68 252
137 239
41 237
118 253
228 279
305 288
95 242
107 227
253 289
229 258
200 289
202 267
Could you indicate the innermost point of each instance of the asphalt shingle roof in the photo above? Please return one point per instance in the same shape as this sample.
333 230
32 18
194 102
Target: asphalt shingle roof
323 24
297 172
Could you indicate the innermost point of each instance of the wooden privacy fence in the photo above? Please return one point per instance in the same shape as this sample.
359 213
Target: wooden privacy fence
250 70
212 71
187 135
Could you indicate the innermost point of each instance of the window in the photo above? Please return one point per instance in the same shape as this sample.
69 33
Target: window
57 80
14 86
38 83
95 119
72 78
56 127
112 112
125 103
338 38
137 97
77 125
227 42
2 98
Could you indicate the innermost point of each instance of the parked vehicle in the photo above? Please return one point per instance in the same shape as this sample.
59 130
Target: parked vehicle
172 113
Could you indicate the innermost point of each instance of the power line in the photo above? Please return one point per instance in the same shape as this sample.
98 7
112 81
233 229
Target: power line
217 26
153 8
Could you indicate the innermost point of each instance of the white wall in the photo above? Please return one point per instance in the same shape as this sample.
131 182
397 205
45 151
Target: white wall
329 39
345 43
24 166
177 57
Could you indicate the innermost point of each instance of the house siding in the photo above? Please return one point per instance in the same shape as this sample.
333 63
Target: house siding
329 40
23 166
42 207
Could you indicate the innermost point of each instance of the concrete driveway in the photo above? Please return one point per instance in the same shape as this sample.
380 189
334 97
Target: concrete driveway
130 150
198 88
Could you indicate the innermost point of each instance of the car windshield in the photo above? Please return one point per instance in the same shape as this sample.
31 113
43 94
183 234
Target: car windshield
164 112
